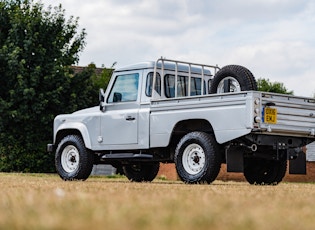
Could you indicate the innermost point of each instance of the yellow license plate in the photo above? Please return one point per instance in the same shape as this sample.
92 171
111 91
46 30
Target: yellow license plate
270 115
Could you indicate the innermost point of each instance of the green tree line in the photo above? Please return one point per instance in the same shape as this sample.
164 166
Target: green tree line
276 87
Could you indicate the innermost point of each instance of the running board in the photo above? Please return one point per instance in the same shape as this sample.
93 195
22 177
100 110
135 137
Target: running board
121 156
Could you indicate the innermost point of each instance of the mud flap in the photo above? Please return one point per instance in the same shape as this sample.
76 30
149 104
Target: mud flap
234 161
297 161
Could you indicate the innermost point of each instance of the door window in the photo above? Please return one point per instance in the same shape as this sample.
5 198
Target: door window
125 88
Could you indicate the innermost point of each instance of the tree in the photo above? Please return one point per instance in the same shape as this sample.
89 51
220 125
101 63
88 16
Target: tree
275 87
102 80
37 48
91 79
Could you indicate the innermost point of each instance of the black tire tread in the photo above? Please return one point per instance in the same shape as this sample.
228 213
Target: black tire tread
241 74
210 147
145 173
86 159
264 172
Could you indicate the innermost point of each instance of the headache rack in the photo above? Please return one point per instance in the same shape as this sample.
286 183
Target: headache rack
181 66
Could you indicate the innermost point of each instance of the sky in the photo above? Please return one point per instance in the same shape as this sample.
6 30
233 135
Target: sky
274 39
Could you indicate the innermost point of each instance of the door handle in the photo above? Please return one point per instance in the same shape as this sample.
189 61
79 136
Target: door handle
130 118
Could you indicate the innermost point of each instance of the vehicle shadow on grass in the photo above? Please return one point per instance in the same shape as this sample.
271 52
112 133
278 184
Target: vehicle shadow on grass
161 181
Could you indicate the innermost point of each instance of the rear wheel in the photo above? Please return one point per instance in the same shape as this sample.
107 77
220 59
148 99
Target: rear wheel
72 159
264 172
141 172
197 158
233 78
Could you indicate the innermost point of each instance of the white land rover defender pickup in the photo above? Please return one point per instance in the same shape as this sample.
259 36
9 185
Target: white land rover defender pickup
198 116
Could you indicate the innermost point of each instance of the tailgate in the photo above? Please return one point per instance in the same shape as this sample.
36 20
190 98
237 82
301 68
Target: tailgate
286 114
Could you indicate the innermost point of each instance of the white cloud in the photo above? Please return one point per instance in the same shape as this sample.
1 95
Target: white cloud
275 39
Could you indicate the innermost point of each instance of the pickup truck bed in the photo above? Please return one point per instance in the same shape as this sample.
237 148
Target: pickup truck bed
233 115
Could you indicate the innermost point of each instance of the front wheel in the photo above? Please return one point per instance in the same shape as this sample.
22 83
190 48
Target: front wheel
72 160
197 158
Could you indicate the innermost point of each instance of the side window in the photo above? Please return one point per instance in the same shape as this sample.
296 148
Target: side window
196 86
125 88
169 86
182 86
148 87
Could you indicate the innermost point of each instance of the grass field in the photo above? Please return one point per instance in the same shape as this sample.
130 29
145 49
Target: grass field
40 201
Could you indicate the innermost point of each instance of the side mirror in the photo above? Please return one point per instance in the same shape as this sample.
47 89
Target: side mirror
101 97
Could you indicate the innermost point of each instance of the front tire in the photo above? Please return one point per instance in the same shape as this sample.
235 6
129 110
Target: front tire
72 159
197 158
233 78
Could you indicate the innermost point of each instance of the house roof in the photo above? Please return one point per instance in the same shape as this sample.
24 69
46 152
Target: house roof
79 69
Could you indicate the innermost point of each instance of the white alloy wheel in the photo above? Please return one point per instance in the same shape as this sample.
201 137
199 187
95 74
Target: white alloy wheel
233 87
70 158
193 159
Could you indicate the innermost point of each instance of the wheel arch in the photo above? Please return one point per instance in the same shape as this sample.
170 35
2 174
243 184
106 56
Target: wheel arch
74 129
183 127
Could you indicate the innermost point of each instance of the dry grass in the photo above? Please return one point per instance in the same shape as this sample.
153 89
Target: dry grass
38 201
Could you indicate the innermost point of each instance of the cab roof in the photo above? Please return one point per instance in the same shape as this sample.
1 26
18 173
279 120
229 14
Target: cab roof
167 66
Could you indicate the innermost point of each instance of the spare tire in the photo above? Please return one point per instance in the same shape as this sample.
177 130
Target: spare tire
233 78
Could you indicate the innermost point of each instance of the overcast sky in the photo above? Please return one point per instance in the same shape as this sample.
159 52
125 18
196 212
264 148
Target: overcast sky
275 39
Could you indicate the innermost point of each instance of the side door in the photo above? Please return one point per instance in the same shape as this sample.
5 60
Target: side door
119 123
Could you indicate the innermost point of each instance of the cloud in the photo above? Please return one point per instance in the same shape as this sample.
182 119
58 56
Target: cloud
275 39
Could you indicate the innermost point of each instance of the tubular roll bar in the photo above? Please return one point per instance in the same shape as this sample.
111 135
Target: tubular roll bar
175 62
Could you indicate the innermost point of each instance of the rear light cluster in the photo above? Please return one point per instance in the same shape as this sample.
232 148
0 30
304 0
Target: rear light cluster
257 113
